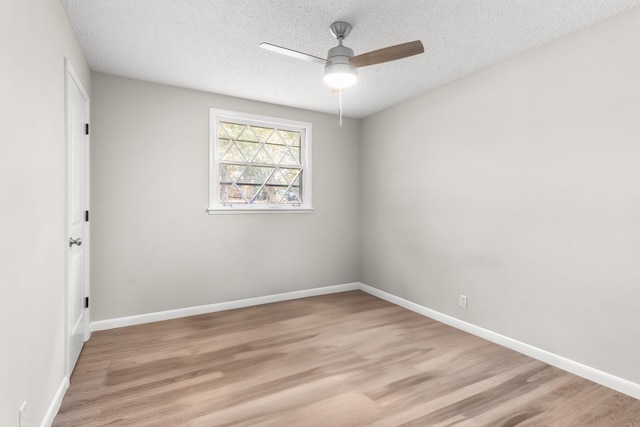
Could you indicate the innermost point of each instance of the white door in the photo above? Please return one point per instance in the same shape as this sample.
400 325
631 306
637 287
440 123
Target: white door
77 243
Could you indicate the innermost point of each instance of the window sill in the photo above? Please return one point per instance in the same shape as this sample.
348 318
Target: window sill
223 211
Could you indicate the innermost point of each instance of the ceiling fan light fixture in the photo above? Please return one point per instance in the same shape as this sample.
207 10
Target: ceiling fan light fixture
339 73
340 76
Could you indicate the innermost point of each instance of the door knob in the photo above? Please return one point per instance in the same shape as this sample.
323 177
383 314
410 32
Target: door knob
73 241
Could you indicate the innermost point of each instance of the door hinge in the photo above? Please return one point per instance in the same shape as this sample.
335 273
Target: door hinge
86 302
86 128
86 216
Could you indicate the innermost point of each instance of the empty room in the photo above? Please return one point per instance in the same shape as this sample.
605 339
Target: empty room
320 213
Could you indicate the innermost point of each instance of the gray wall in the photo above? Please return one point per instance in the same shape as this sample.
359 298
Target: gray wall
155 248
519 187
35 37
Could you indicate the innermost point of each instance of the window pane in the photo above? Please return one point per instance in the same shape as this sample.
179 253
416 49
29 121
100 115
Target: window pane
263 134
291 195
223 145
298 180
263 157
276 152
233 155
265 195
289 160
248 135
248 149
231 194
276 139
283 176
290 137
295 151
232 130
230 173
255 175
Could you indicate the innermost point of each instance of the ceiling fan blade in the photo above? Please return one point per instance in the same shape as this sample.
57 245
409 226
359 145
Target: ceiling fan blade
387 54
293 53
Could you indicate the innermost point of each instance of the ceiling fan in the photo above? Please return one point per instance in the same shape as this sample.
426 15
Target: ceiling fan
340 67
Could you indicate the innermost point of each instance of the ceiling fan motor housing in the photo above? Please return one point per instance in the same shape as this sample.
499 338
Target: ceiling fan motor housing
339 55
338 62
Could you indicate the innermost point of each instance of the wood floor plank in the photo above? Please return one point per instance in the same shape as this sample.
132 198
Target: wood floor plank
334 360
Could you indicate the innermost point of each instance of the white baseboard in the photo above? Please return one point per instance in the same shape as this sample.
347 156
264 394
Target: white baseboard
212 308
54 407
616 383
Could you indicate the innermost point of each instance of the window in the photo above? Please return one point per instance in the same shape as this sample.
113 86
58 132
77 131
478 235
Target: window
258 163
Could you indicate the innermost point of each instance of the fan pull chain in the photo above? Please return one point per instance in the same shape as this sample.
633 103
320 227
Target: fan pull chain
340 92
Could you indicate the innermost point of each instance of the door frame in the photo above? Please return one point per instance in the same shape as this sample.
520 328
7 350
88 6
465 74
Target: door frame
71 78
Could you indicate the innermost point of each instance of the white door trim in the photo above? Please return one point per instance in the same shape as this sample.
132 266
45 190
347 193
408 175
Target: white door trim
71 78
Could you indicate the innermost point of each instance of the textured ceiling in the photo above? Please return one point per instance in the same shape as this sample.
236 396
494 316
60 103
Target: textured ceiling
212 45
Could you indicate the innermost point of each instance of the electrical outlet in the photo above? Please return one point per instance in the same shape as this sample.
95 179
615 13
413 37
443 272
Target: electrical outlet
462 302
22 415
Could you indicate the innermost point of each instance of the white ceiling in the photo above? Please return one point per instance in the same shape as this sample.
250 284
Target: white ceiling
212 45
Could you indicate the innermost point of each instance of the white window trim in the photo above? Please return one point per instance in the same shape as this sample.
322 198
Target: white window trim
215 207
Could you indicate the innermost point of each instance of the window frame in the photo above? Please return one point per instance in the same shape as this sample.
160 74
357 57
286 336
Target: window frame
215 205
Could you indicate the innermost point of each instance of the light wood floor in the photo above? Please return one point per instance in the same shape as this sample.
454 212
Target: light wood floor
335 360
